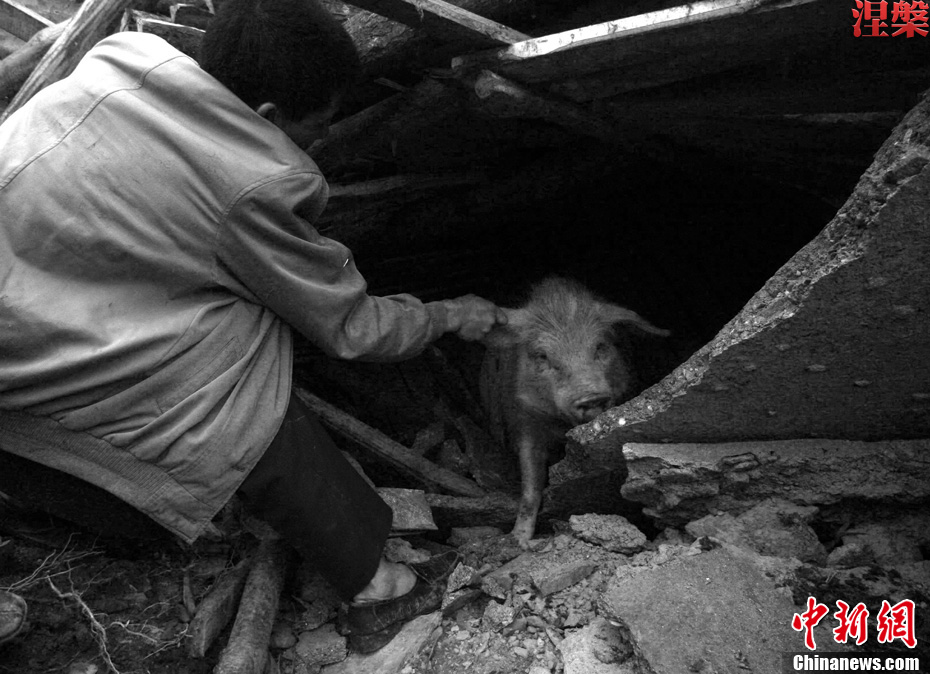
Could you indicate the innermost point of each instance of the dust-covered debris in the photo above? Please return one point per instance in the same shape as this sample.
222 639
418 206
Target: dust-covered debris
322 646
774 527
462 535
597 648
612 532
567 606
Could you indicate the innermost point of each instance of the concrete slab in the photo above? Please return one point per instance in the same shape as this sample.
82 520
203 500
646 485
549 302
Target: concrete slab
712 612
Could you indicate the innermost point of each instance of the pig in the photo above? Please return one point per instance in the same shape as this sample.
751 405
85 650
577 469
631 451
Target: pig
554 364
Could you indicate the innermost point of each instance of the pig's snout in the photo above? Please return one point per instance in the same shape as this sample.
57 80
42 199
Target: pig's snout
587 408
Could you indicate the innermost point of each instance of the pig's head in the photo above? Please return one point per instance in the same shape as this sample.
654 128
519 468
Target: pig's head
569 367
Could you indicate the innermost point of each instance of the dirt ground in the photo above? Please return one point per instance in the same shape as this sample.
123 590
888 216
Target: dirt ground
100 606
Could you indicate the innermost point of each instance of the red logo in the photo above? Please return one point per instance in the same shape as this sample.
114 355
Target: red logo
910 18
897 622
893 622
808 620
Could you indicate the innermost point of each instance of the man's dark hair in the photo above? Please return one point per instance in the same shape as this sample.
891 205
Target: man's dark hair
292 53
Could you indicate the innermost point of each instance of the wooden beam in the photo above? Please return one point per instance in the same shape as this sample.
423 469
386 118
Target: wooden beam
15 68
182 37
661 47
504 98
444 20
387 450
20 20
84 30
403 187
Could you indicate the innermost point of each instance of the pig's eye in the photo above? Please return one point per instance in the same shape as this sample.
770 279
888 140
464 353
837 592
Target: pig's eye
540 359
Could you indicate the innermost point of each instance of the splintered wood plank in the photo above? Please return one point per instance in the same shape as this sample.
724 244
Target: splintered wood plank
15 68
21 21
444 20
184 38
664 46
86 28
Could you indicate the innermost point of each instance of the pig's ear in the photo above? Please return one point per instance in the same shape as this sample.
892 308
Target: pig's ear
616 314
510 333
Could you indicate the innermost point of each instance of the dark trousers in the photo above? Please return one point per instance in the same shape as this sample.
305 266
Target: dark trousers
307 491
302 486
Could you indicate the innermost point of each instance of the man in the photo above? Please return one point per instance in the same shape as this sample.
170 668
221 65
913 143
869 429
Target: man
156 250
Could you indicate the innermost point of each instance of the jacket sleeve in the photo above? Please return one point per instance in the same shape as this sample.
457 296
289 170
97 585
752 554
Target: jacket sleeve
267 244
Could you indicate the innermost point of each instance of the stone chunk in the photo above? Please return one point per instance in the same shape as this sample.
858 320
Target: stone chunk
498 615
411 511
711 612
612 532
679 483
598 648
558 577
462 576
321 646
850 555
546 572
775 528
887 543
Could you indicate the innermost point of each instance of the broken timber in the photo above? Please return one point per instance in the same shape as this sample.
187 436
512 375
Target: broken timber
246 652
15 68
660 47
21 21
444 20
504 98
182 37
395 454
217 609
83 30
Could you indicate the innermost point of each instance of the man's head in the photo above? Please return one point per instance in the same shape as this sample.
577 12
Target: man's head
289 60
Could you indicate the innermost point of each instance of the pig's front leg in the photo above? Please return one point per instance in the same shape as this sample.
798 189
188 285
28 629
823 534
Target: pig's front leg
532 453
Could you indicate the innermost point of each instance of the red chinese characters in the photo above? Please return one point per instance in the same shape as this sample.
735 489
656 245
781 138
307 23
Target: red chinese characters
808 620
893 622
897 622
853 623
910 18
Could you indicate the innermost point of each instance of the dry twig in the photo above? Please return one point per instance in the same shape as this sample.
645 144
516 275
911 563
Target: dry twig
100 633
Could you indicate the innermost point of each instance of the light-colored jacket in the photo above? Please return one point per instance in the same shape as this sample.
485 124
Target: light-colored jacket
156 248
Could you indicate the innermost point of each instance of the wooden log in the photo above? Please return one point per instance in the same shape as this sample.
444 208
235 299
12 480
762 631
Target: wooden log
444 20
84 29
504 98
498 510
15 68
401 187
393 50
665 46
184 38
9 43
216 609
21 21
246 652
393 453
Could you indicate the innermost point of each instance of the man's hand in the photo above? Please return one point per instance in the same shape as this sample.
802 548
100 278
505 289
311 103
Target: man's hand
472 317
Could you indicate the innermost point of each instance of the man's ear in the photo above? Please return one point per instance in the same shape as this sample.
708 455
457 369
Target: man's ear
509 334
269 111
